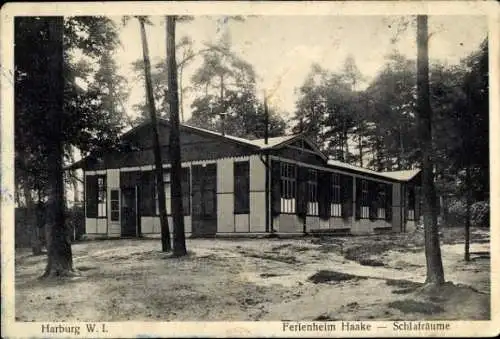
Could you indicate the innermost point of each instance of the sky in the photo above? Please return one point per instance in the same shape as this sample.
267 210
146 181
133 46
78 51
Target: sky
283 48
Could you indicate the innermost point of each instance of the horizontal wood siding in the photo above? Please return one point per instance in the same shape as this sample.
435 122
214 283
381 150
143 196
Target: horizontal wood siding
194 146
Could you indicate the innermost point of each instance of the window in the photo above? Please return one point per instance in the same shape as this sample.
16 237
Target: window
101 196
186 190
336 210
288 187
381 202
312 191
365 200
241 187
115 205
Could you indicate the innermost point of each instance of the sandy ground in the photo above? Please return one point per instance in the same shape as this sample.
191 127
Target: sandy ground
258 279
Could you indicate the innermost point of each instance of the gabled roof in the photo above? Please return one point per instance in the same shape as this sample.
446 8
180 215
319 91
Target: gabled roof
272 143
393 175
259 143
277 142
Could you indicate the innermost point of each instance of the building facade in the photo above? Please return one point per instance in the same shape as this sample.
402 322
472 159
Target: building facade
231 185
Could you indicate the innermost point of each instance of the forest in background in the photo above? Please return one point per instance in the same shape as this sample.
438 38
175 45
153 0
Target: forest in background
374 127
385 126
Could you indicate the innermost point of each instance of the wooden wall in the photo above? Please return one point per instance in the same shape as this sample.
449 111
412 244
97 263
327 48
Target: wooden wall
194 147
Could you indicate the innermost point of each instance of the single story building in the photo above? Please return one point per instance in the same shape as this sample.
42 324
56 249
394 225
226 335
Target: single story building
232 185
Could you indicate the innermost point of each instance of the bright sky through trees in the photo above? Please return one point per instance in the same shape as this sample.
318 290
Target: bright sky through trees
282 48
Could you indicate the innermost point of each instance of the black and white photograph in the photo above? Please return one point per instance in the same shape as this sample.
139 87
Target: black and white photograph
249 169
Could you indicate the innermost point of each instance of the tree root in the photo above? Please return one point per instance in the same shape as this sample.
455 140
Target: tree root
60 273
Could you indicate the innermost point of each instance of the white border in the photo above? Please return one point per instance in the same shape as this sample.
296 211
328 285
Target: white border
237 329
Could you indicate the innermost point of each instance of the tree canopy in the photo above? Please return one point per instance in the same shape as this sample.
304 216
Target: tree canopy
93 92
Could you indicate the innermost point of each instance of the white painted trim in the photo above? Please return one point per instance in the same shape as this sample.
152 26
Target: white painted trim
321 168
185 164
129 169
90 173
203 162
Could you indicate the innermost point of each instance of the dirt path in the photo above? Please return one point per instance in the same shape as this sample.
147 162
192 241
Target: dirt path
253 279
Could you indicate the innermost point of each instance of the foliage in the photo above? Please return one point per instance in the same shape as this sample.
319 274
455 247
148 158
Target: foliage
325 110
184 48
75 221
225 83
91 120
392 97
480 213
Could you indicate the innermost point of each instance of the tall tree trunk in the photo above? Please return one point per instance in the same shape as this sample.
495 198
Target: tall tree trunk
165 232
466 124
175 149
60 259
181 94
346 142
401 149
360 146
74 180
435 274
340 146
468 187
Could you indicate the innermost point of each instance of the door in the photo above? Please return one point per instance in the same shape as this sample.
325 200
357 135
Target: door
204 191
129 225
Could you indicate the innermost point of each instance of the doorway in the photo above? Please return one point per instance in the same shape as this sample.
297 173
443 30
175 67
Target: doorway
130 221
204 191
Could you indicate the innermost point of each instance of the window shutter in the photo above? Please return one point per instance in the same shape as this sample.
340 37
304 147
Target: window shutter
91 196
324 194
302 192
147 193
358 198
373 199
186 190
411 197
275 188
241 188
403 193
346 183
388 202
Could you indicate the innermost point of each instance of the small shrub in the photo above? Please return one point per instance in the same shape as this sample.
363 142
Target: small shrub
75 221
456 212
480 214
